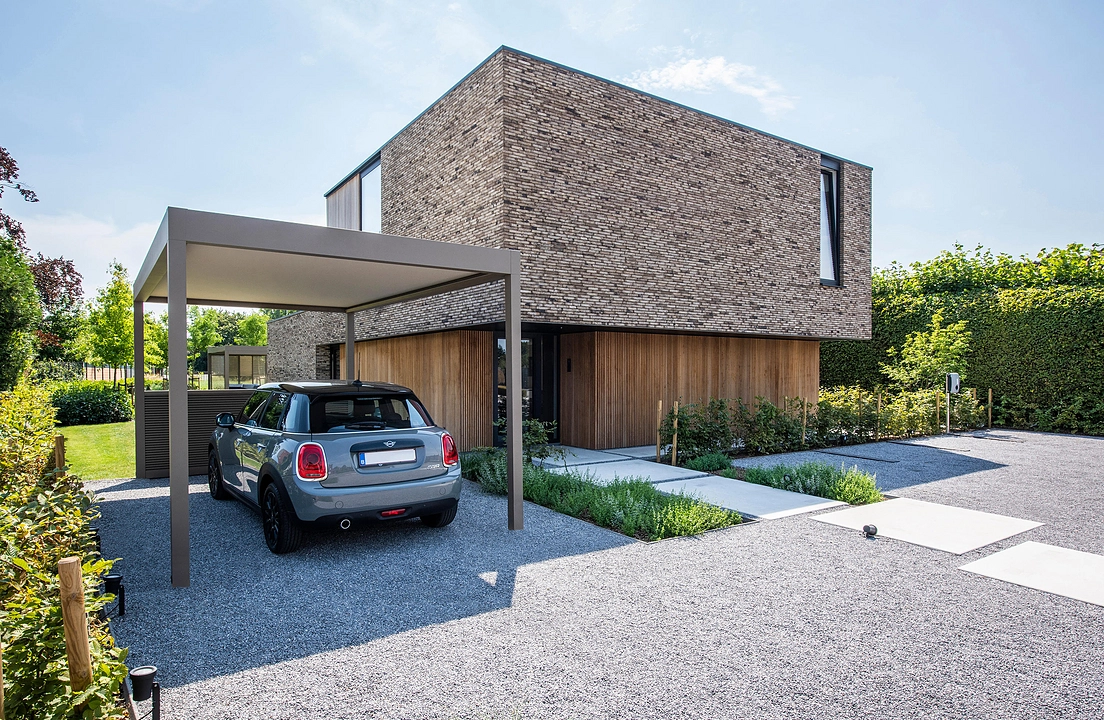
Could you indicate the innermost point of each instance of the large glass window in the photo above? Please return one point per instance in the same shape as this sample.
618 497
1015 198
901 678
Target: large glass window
354 413
371 199
829 223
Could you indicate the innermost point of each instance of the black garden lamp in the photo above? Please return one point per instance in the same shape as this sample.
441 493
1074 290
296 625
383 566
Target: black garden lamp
143 686
113 585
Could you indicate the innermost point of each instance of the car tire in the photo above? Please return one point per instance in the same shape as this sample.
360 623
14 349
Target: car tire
439 520
214 478
282 529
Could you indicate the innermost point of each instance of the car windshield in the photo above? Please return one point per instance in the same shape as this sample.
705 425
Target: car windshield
358 413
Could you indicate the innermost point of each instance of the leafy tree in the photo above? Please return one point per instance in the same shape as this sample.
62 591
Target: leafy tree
9 178
253 330
19 313
111 321
60 293
273 313
927 356
156 336
203 332
227 322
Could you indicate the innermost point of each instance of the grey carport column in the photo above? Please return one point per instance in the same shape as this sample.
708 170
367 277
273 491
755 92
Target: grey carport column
203 258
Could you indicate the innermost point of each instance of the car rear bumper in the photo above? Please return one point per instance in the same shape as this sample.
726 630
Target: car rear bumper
434 507
313 502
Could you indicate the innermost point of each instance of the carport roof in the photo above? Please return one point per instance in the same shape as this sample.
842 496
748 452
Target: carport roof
253 262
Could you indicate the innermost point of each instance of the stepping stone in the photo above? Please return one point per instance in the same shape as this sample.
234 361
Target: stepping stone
581 456
643 452
1069 573
940 527
606 472
759 501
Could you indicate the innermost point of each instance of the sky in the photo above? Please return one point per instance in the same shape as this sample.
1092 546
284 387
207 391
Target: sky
982 120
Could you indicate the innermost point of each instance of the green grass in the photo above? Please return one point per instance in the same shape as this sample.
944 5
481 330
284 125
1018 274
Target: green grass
100 452
849 485
629 506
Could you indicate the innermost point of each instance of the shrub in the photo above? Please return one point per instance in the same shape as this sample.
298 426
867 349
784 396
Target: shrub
852 486
44 517
629 506
709 463
1078 415
90 402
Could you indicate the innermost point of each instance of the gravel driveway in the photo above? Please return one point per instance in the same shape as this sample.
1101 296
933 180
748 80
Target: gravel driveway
787 618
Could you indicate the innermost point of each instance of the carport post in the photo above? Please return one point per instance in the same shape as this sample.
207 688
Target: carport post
514 474
139 389
350 346
177 273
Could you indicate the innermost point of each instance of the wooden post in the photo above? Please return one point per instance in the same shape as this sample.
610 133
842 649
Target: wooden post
659 424
1 681
937 419
59 453
75 617
674 438
804 419
878 419
990 407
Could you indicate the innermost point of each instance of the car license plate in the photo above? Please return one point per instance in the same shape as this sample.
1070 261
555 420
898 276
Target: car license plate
387 457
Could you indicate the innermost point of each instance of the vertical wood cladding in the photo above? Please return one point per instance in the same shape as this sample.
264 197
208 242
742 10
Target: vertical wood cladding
343 206
450 372
609 398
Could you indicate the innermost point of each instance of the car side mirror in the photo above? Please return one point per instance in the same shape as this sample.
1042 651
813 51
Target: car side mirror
225 420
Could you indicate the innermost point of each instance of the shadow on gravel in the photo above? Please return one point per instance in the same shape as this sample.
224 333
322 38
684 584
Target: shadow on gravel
248 608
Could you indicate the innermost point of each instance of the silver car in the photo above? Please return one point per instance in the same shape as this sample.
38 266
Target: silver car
334 454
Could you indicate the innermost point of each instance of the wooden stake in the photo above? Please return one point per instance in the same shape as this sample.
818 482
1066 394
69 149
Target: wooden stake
659 424
990 407
878 419
59 453
937 418
75 617
674 438
1 681
804 419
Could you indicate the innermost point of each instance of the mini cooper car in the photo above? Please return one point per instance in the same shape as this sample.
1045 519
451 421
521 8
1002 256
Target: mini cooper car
334 453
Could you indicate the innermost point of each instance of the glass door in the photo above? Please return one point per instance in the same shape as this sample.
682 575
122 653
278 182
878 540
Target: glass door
540 390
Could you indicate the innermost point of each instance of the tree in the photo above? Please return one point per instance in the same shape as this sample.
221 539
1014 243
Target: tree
273 313
9 176
19 313
156 336
927 356
111 320
253 330
60 293
203 332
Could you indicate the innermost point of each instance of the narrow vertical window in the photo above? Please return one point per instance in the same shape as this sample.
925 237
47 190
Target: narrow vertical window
829 223
371 199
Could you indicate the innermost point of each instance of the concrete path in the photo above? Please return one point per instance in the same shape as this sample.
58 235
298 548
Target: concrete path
760 501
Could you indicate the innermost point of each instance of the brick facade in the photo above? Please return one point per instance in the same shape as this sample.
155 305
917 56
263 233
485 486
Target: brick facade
630 212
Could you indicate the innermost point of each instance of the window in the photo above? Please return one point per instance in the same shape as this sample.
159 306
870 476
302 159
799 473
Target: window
829 222
274 410
355 413
252 409
371 198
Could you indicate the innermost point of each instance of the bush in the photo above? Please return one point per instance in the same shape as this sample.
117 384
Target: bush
630 506
45 517
852 486
709 463
90 402
1077 415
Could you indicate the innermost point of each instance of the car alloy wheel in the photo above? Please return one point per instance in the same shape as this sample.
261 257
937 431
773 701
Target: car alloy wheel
281 528
214 478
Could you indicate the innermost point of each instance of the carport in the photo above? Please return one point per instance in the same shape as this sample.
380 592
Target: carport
202 258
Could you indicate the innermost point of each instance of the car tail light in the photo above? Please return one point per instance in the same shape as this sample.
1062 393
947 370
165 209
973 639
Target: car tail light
448 446
310 462
393 513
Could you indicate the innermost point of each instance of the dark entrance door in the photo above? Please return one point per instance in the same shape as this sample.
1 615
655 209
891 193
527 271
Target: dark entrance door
540 389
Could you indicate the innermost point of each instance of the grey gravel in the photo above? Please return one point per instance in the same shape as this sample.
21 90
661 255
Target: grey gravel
787 618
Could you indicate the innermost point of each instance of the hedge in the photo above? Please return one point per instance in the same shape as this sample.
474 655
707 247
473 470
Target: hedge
91 402
44 517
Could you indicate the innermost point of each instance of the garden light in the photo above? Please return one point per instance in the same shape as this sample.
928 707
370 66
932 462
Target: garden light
143 686
870 530
113 585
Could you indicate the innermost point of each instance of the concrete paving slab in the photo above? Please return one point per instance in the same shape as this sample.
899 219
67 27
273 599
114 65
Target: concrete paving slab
582 456
747 498
640 451
607 472
941 527
1069 573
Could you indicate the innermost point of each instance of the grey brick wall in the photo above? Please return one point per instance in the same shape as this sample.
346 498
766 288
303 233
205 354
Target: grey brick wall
629 211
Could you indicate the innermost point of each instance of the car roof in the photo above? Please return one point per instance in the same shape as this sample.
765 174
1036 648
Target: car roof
335 387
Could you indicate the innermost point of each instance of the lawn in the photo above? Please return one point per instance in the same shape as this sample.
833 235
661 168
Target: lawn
100 452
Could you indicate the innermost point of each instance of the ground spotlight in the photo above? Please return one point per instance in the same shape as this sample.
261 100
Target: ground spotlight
143 686
113 585
870 530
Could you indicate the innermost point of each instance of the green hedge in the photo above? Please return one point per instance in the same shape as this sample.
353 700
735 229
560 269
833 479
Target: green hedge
45 517
91 402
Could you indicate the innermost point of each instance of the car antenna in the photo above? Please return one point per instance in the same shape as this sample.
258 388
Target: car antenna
357 382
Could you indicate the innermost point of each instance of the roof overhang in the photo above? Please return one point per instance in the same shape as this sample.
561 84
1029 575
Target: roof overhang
251 262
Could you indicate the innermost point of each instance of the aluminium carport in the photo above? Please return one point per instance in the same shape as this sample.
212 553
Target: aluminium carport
202 258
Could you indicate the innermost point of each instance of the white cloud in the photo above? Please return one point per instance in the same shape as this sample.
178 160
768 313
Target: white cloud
704 75
90 243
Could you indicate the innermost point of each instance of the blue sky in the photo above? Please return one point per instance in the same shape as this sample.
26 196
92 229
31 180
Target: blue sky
982 120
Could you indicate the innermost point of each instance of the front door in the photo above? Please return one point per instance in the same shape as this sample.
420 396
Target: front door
540 392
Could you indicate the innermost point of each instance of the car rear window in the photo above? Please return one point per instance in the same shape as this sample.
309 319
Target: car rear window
358 413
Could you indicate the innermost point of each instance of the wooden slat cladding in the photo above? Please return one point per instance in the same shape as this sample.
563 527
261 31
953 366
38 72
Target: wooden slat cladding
632 371
578 388
203 406
450 372
343 206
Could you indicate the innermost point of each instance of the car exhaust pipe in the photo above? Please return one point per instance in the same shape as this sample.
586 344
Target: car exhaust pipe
345 523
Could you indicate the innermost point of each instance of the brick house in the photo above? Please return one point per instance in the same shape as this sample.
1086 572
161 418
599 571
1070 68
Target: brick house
666 254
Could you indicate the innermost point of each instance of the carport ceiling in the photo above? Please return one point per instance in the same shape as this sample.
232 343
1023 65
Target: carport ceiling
234 260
